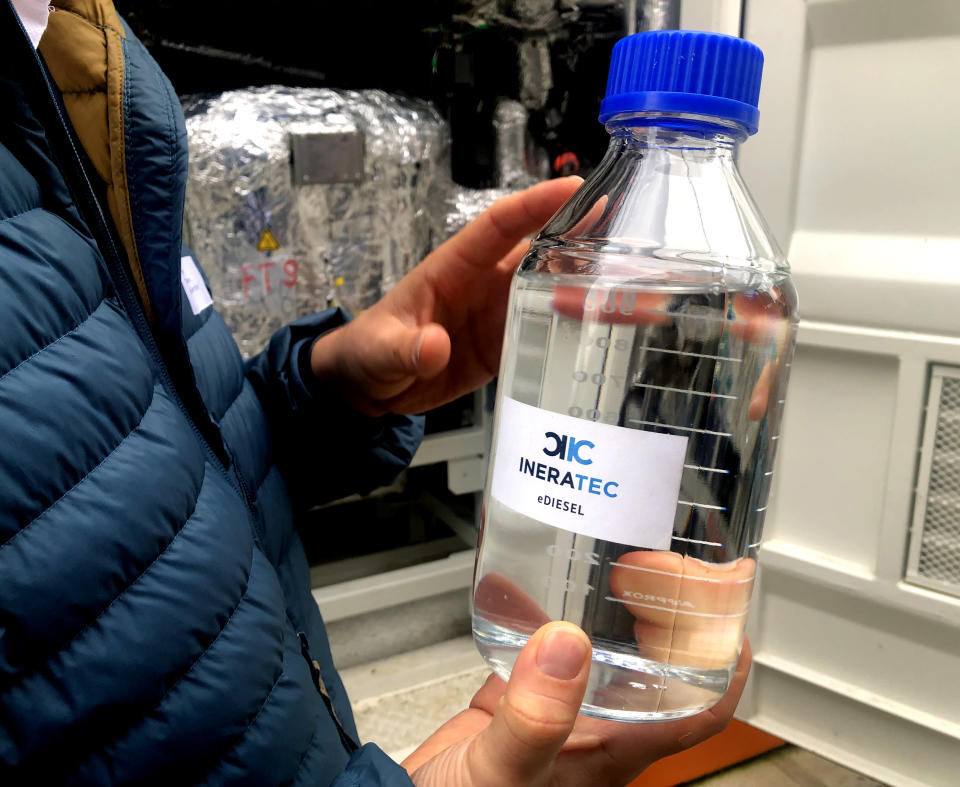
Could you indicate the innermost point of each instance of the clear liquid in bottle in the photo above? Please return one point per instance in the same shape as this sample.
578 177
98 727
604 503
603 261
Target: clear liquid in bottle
704 365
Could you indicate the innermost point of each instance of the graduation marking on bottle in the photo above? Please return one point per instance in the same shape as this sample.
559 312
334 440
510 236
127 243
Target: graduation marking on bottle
740 614
677 426
692 355
709 394
701 505
697 541
702 469
682 577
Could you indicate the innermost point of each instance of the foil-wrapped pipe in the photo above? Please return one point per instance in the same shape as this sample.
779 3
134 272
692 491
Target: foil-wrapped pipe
300 198
510 126
536 14
536 73
656 15
465 204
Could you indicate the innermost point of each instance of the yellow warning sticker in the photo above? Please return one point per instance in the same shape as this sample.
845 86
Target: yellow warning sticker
267 241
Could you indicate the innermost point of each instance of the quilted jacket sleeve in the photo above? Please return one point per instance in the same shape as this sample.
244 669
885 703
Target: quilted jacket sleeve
369 766
324 448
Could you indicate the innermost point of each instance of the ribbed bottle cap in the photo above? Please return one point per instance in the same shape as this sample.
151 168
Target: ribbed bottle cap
685 71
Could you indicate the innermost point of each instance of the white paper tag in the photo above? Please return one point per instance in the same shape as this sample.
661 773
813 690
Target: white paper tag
197 292
604 481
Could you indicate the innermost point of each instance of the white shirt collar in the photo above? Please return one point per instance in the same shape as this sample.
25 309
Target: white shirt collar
33 14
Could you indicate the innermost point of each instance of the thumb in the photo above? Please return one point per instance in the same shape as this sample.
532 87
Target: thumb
537 711
430 351
392 355
397 352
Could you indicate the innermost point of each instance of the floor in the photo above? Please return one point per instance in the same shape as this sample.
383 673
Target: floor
398 701
788 767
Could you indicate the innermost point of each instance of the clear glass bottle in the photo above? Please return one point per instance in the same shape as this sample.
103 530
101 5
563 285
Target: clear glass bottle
648 343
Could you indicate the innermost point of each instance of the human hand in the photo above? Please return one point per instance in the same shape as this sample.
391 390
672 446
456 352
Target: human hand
437 335
528 733
663 589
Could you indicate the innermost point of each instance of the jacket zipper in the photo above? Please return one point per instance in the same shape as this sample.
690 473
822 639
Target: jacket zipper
90 205
345 737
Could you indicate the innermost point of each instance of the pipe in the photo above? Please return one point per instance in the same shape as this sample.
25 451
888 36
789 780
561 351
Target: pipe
652 15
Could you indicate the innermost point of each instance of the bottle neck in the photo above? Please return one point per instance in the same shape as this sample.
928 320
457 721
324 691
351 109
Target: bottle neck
676 130
664 154
668 188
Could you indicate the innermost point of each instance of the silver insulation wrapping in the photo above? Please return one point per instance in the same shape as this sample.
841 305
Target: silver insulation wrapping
519 164
303 198
465 204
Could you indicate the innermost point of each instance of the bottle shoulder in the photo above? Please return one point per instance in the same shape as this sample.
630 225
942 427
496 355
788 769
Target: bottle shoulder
670 207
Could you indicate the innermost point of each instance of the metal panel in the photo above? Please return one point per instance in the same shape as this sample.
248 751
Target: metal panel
372 593
335 157
865 208
934 560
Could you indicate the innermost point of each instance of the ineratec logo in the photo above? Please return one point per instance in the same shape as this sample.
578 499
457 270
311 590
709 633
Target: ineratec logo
567 447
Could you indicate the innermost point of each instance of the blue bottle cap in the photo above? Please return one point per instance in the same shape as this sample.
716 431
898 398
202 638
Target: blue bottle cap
685 71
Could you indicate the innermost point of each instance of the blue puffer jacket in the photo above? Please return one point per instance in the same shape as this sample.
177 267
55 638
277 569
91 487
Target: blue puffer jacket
156 624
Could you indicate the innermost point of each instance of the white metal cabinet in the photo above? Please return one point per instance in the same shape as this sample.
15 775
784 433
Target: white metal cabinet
856 167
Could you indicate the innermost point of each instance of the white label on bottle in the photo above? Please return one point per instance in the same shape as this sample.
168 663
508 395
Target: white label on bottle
598 480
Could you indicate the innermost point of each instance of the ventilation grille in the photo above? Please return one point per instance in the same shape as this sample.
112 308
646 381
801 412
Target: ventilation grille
934 559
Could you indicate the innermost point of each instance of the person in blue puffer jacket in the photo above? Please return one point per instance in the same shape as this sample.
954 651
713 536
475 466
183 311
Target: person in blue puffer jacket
156 622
